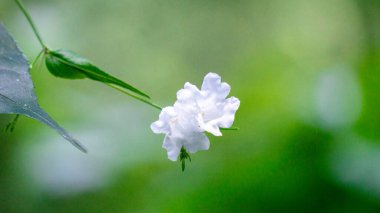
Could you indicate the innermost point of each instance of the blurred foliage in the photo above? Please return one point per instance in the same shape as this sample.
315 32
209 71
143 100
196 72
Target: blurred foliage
295 65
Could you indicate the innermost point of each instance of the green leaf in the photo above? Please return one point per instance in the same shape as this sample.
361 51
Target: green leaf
66 64
16 87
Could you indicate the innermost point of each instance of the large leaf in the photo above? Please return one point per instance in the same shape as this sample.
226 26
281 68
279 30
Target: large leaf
16 87
66 64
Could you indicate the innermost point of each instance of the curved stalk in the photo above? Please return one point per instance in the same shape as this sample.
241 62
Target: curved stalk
135 96
30 20
231 128
36 59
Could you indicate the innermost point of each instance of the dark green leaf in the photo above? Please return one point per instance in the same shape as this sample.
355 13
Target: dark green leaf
62 70
16 87
66 64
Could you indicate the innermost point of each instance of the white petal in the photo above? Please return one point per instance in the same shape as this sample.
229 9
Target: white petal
221 116
231 106
184 95
196 142
213 85
163 124
194 89
173 146
211 126
158 127
213 129
186 105
167 113
189 94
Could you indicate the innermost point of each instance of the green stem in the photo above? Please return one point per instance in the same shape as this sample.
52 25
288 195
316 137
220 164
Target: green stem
36 59
135 96
231 128
11 126
30 20
183 155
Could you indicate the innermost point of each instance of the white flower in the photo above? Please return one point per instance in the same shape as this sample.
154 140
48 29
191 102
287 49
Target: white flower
195 112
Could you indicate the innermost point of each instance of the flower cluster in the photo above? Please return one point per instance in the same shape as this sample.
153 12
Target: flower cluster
194 113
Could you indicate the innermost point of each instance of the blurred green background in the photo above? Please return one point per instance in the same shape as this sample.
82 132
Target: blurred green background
307 74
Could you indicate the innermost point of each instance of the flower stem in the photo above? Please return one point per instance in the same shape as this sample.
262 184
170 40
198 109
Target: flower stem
183 156
231 128
135 96
11 126
30 20
36 59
